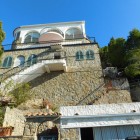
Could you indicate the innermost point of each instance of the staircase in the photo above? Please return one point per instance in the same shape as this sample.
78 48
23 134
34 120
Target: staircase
92 96
44 63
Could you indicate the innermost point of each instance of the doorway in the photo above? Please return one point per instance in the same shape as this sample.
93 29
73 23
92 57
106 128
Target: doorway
86 133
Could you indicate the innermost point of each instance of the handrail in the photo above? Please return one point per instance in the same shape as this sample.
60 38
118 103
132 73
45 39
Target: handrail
41 56
51 42
91 93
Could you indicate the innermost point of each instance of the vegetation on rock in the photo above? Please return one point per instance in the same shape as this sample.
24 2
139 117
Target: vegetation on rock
123 54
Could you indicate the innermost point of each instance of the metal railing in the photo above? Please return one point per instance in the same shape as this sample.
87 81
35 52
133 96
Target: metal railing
48 43
85 100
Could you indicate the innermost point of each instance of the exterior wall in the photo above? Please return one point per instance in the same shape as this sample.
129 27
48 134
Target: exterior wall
16 119
81 79
65 88
43 28
15 54
70 134
37 125
73 63
70 52
12 138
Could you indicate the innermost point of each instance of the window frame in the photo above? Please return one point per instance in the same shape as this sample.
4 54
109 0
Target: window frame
90 55
30 35
7 62
79 55
32 59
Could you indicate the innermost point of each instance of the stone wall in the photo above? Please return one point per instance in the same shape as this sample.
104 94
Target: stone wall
70 134
26 53
35 126
16 119
13 138
65 88
68 53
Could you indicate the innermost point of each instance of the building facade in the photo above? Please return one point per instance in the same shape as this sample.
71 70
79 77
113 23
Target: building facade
63 67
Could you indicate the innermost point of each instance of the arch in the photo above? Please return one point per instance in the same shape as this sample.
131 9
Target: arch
19 61
73 33
49 133
79 55
51 37
7 62
55 30
31 37
89 54
32 59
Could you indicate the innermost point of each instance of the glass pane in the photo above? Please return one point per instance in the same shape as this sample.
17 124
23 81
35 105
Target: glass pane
5 62
74 33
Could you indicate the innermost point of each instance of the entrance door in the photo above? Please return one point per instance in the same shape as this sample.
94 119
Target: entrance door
86 133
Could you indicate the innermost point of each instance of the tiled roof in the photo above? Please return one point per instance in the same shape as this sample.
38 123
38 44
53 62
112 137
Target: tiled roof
37 114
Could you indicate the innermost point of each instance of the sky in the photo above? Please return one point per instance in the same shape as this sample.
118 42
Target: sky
104 18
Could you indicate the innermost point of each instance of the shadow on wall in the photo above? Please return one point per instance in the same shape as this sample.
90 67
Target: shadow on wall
44 78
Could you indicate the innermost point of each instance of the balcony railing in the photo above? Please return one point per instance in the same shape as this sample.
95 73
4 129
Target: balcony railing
48 43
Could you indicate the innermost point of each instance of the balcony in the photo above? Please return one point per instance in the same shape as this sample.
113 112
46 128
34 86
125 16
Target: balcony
55 65
55 44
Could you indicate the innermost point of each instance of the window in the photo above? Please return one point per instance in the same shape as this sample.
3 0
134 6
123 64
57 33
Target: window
55 30
31 37
57 55
73 33
79 55
19 61
32 60
90 54
17 36
7 62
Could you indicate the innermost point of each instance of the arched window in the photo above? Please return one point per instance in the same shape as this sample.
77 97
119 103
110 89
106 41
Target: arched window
79 55
73 33
89 54
55 30
31 37
7 62
19 61
32 60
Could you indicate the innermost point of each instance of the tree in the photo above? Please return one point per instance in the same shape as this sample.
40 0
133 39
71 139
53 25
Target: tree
20 94
133 63
104 56
13 93
116 52
2 37
133 40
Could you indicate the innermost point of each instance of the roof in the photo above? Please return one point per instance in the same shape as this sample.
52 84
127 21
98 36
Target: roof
50 24
103 109
100 115
41 114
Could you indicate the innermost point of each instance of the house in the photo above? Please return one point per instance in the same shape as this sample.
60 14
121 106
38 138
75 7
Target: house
63 67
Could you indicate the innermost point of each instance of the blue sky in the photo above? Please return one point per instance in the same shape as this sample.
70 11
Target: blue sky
104 18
